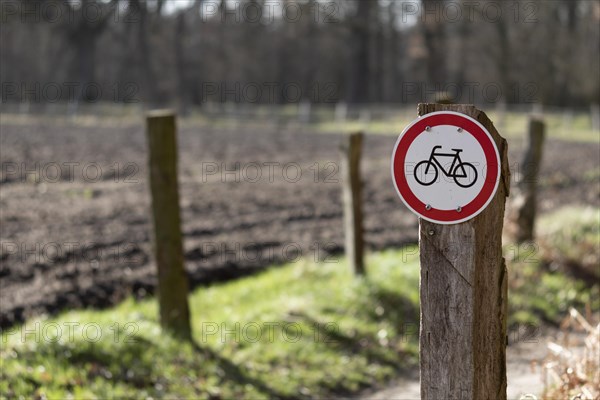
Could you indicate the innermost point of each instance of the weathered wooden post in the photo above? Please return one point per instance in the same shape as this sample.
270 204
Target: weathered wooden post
463 296
525 201
352 202
463 286
168 249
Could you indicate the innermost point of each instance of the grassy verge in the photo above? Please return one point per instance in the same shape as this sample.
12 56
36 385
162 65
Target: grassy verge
559 270
303 330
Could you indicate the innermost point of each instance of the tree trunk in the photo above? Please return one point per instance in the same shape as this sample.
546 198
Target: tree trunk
359 62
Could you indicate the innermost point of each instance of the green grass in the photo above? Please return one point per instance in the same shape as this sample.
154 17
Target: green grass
322 331
577 128
329 333
538 296
573 233
568 244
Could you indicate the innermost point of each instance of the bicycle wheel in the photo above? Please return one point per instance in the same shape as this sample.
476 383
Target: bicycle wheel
428 178
467 176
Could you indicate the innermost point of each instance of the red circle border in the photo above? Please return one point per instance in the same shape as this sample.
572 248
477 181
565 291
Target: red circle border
492 176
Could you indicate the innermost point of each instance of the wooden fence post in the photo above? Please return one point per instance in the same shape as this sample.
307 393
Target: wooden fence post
352 202
463 294
168 249
526 199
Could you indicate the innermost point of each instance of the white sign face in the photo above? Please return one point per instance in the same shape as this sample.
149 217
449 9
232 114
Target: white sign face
444 177
446 167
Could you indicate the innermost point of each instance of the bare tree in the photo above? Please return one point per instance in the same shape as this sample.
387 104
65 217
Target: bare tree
360 30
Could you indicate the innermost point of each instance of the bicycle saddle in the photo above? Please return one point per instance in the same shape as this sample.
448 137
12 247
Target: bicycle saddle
457 150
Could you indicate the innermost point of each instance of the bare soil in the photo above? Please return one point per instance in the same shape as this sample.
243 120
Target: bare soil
78 235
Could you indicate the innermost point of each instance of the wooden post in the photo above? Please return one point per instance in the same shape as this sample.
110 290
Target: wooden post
463 294
525 202
168 249
352 202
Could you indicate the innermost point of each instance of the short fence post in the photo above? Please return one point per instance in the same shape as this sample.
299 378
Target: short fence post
525 201
352 202
173 284
463 294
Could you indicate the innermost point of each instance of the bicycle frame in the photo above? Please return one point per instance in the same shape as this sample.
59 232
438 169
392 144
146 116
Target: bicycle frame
456 157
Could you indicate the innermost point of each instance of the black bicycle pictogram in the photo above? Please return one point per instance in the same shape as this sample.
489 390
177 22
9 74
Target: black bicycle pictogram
463 173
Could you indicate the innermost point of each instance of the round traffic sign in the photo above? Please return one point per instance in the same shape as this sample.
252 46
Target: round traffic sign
446 167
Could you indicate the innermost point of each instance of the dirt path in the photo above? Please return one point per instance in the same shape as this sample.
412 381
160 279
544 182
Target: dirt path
523 377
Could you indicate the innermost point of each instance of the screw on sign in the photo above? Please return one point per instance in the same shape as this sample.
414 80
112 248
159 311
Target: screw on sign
446 167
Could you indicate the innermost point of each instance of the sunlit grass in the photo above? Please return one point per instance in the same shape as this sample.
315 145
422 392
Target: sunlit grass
567 244
306 329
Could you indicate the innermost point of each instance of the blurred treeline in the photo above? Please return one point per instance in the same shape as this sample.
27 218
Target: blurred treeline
188 52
